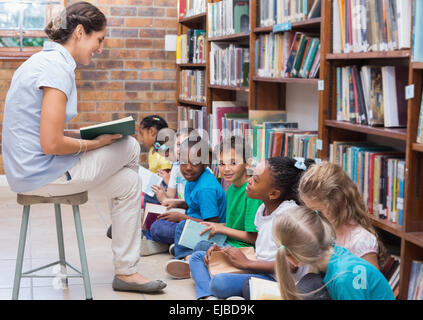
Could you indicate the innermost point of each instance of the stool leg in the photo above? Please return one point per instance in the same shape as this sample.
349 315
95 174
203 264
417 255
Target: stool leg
21 251
61 245
82 254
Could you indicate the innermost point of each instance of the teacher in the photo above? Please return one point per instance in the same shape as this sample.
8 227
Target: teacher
40 160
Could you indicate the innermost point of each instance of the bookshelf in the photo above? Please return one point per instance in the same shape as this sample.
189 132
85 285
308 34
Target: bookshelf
410 234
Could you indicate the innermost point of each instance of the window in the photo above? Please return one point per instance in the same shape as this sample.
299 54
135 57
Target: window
22 23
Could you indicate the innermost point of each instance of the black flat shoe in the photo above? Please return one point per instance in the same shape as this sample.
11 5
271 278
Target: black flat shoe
109 232
149 287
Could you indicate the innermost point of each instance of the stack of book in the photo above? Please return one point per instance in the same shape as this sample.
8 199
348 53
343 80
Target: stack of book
417 54
288 11
373 95
287 55
191 47
192 85
228 17
189 8
415 287
371 25
379 173
391 271
192 118
229 64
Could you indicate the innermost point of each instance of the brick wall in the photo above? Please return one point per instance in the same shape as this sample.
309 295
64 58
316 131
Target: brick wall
133 76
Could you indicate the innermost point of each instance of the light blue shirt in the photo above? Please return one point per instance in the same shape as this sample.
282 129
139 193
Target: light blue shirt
349 277
26 166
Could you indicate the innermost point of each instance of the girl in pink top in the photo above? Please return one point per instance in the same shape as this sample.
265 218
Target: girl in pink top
327 188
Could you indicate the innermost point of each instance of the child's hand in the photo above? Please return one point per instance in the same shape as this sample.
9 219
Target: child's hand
236 257
173 203
173 216
212 227
160 192
213 248
164 175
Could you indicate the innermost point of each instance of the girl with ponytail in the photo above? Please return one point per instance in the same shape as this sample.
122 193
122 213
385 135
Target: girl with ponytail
305 237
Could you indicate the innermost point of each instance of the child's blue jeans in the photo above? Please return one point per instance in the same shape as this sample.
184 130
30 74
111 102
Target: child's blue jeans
222 285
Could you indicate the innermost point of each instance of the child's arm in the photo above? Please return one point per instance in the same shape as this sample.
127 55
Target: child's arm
171 193
249 237
239 260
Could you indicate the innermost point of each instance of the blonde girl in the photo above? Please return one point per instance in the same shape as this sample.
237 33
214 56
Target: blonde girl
305 237
327 188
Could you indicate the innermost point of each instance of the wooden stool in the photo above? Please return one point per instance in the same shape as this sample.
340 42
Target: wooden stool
74 200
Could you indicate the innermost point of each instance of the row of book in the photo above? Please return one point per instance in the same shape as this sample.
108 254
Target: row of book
287 55
276 12
191 47
228 17
229 64
283 139
372 95
417 52
379 173
192 117
415 287
371 25
391 271
189 8
192 85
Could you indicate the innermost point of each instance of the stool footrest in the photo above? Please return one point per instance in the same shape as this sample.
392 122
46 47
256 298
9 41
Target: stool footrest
28 274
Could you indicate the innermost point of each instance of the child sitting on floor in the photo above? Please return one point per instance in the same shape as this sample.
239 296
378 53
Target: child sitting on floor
274 182
205 200
326 187
306 237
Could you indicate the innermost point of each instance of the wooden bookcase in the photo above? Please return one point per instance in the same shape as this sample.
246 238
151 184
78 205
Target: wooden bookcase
410 234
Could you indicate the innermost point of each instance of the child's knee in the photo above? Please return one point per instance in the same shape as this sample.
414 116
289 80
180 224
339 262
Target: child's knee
197 256
218 285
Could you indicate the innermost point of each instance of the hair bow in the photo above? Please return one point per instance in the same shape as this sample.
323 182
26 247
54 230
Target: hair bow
300 164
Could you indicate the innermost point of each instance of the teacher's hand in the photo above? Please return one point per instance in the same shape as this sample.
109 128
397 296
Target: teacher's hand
106 139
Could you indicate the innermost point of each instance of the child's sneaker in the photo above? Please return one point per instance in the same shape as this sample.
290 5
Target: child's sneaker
150 247
109 232
178 269
172 249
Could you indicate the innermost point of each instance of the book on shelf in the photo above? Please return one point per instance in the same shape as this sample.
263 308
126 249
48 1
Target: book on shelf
192 118
148 179
235 124
391 271
153 211
220 263
188 8
219 110
262 289
417 52
124 126
229 64
370 25
287 55
191 235
372 96
227 17
287 11
379 173
191 47
415 286
192 85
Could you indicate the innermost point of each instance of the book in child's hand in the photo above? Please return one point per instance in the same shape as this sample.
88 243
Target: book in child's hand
124 126
148 179
191 235
261 289
220 263
153 211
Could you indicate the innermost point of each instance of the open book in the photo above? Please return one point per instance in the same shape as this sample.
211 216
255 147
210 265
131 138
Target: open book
261 289
191 235
219 262
124 126
148 179
152 212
